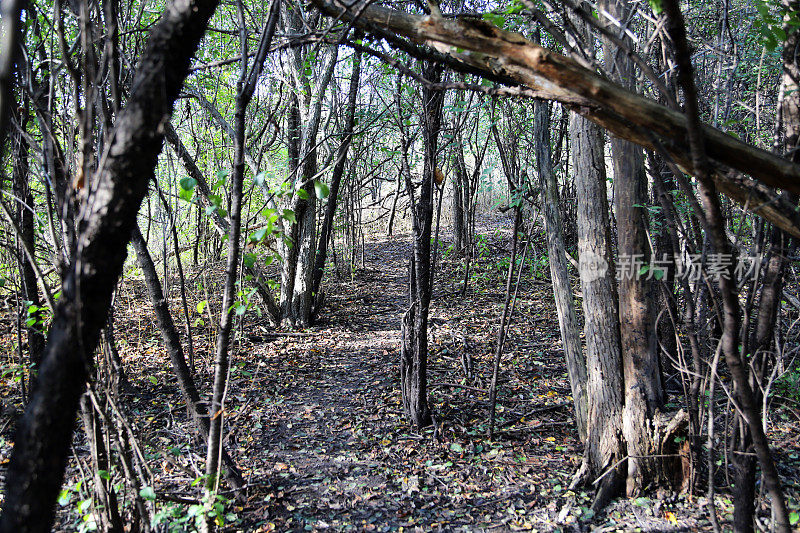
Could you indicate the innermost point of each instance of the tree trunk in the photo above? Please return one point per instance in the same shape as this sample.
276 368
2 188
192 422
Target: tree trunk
221 223
414 343
25 213
43 435
604 445
336 176
640 362
169 333
559 275
715 226
246 86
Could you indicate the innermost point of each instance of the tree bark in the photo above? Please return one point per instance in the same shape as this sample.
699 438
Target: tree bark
414 336
604 444
25 214
43 435
640 362
246 86
559 275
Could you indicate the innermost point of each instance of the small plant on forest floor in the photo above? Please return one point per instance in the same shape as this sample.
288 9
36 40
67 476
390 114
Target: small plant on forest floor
788 384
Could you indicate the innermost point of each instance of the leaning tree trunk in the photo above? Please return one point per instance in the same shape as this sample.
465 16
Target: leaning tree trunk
761 340
43 436
562 289
746 399
414 341
172 342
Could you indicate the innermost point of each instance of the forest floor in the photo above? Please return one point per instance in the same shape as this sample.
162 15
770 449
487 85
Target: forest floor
314 418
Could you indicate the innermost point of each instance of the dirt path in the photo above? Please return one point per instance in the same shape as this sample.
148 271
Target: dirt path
314 418
334 440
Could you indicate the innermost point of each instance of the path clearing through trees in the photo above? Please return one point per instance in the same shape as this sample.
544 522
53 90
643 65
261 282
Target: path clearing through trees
314 418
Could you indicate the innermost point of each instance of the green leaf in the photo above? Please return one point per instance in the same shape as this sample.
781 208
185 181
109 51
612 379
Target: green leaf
288 214
249 260
241 309
148 493
186 195
187 184
201 306
494 18
794 517
64 497
215 199
656 6
321 189
456 447
302 194
153 380
104 474
258 235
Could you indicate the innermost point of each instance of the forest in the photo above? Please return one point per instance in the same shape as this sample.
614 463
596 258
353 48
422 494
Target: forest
384 265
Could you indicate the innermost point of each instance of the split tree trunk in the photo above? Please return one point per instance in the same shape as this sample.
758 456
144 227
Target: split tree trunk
640 362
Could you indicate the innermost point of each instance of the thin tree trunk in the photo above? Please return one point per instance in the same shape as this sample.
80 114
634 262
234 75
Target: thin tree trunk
25 214
414 344
336 176
715 224
221 223
501 335
169 333
245 88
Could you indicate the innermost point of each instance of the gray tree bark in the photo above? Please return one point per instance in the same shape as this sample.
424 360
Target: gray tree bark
559 274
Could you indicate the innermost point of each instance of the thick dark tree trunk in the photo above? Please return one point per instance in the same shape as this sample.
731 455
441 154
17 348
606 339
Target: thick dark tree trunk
105 224
414 343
